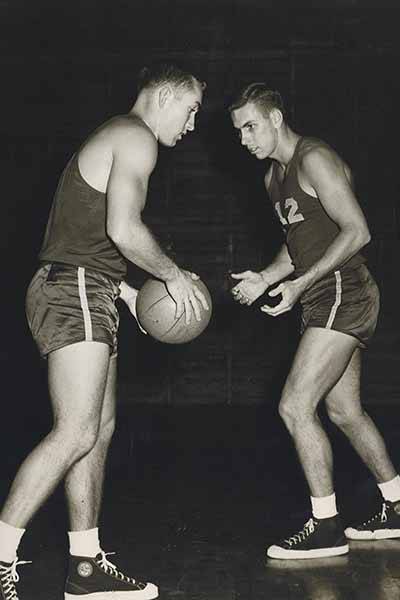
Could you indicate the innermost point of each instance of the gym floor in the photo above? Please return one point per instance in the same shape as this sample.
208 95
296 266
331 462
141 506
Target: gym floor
194 496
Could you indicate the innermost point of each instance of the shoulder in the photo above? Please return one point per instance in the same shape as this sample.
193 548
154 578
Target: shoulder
132 146
316 155
128 130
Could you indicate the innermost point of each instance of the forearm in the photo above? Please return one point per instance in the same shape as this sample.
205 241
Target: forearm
127 292
344 246
280 268
140 247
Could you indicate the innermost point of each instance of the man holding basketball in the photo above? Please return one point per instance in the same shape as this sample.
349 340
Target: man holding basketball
95 225
312 193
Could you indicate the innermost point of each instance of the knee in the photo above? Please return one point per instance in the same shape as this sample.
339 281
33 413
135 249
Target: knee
290 412
78 439
296 406
343 417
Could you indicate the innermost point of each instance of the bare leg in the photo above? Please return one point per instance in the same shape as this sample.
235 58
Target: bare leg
344 409
320 361
77 380
84 481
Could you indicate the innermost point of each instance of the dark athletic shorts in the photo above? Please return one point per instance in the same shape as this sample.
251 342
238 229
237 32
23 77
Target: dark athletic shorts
67 304
346 301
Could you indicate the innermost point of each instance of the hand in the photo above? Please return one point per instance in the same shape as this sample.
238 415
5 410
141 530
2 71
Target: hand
251 287
291 291
129 295
186 295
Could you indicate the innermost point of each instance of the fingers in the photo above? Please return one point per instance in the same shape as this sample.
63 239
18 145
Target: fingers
241 295
274 311
241 275
276 291
200 296
180 307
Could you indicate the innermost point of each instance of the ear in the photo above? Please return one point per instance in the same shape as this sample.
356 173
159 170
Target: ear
165 93
276 117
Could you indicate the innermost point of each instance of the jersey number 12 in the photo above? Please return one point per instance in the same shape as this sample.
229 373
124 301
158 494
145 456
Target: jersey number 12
293 215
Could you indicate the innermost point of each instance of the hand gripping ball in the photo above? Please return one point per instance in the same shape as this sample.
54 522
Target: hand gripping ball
156 313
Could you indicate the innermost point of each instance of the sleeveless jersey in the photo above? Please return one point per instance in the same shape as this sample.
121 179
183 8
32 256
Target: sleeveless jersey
308 228
76 229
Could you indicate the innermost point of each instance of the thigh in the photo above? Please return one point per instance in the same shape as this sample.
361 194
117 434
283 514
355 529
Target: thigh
110 394
77 382
320 361
345 395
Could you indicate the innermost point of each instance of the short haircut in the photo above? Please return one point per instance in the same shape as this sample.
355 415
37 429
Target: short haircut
259 94
162 73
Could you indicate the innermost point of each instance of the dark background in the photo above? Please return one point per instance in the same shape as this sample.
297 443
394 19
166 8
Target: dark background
67 67
202 471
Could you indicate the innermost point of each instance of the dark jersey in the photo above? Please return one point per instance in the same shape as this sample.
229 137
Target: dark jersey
76 229
308 228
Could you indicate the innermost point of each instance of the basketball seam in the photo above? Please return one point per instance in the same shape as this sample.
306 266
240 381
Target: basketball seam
156 302
173 325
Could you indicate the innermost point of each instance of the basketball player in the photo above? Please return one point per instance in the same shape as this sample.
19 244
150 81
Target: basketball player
312 193
95 226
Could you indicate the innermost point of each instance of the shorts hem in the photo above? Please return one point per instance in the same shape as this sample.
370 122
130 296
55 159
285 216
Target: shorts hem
361 343
44 355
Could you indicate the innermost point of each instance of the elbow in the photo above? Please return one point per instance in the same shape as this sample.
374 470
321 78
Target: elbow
363 238
118 236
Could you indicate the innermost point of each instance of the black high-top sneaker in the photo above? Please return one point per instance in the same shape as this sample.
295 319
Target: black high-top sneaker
318 538
97 579
382 526
8 578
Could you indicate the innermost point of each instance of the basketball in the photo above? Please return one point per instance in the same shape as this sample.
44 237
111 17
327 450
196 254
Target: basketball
156 313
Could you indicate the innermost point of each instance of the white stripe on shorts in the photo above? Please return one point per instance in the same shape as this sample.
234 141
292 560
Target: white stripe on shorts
84 305
338 300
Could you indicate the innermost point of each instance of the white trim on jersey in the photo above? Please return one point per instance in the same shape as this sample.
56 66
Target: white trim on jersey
338 300
84 305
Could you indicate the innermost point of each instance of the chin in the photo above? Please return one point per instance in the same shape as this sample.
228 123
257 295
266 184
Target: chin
167 143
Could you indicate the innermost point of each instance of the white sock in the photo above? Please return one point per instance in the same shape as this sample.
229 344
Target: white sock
324 507
390 490
10 538
84 543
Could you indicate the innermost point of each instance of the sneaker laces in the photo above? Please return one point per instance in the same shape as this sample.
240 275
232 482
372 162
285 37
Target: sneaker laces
307 530
9 576
380 516
111 569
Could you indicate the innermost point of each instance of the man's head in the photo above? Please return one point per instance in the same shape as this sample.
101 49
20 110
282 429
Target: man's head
258 114
175 96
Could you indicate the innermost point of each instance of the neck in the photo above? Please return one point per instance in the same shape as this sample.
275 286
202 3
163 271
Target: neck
142 110
285 150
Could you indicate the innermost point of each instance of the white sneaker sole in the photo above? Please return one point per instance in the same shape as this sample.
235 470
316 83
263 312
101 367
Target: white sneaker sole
278 552
149 593
379 534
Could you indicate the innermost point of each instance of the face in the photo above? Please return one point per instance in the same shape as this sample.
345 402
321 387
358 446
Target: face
258 132
178 114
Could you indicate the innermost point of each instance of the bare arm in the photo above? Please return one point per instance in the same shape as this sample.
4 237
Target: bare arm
253 284
323 172
134 158
280 268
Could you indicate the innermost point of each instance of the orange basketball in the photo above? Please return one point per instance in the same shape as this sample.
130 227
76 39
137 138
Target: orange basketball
156 313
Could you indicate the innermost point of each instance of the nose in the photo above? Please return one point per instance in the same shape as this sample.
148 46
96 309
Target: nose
191 123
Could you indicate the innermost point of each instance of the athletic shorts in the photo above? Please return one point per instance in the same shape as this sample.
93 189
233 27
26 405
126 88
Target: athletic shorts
67 304
346 301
